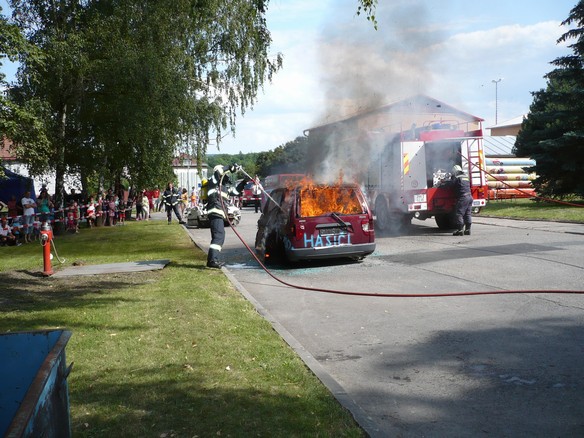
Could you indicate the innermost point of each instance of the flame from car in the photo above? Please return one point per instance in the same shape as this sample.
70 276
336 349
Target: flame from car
323 199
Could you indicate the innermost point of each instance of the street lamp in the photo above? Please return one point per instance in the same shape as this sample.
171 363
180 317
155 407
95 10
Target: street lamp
496 82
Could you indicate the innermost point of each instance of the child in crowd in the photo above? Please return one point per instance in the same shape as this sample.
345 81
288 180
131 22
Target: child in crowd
184 200
90 213
73 217
7 237
17 229
112 210
145 206
138 200
121 212
36 230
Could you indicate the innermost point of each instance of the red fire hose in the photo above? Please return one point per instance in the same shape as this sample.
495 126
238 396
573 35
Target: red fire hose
384 295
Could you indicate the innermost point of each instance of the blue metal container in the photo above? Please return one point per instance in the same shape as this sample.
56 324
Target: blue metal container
34 395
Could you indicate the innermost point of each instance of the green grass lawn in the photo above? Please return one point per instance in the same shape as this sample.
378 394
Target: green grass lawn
535 210
171 353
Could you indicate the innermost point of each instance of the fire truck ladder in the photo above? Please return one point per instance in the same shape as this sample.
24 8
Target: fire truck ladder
475 161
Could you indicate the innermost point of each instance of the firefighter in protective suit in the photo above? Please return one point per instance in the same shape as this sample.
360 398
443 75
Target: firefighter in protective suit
171 199
215 211
463 201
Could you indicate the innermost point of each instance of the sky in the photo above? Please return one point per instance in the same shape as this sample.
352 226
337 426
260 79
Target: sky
336 64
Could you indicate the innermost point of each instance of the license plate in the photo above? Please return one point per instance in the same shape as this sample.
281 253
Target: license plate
332 231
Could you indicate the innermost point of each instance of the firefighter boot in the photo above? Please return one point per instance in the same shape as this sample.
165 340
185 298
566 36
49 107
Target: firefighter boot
212 259
467 230
215 264
458 232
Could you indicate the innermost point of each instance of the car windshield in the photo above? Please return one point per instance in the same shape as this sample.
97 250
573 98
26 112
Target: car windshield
324 200
249 185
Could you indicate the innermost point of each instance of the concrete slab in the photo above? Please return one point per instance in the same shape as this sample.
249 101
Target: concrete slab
112 268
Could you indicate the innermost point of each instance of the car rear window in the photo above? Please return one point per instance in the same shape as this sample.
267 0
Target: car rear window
324 200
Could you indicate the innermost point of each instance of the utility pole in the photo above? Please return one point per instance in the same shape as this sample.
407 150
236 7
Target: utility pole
496 82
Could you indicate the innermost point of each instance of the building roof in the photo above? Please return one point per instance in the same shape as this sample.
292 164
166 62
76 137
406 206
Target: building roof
515 121
186 160
420 104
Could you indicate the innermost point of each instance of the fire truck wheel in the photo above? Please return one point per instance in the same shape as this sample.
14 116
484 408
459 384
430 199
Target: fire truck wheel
445 221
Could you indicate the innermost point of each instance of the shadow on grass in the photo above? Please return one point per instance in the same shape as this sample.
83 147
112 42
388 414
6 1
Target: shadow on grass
27 290
143 403
194 264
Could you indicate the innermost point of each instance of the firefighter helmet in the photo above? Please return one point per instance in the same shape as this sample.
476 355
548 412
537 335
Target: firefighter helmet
218 168
456 169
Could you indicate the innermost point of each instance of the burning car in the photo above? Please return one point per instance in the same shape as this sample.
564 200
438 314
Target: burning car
307 221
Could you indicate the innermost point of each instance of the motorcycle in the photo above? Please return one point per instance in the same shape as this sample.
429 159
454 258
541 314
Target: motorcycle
197 216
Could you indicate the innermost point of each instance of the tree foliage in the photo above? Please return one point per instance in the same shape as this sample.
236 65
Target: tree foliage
368 8
19 122
125 84
247 161
115 88
553 131
291 157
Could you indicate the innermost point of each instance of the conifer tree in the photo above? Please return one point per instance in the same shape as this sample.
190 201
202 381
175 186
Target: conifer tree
553 132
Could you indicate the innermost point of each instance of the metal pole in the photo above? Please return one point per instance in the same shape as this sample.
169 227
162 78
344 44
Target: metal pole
496 82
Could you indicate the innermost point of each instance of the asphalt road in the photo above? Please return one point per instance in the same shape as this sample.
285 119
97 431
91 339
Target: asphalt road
499 365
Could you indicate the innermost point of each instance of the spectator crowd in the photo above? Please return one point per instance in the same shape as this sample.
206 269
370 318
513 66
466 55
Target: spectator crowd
21 218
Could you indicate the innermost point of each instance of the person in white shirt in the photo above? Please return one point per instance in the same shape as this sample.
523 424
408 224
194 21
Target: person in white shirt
28 206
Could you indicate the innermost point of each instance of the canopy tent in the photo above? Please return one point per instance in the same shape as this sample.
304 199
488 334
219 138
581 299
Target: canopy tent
13 184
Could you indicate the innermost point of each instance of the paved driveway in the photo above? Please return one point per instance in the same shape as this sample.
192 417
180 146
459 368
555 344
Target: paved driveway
501 365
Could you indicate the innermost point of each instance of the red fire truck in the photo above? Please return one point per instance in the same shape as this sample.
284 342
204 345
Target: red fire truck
248 197
403 154
411 174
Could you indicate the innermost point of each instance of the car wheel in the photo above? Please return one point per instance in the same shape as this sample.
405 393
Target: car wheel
274 249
